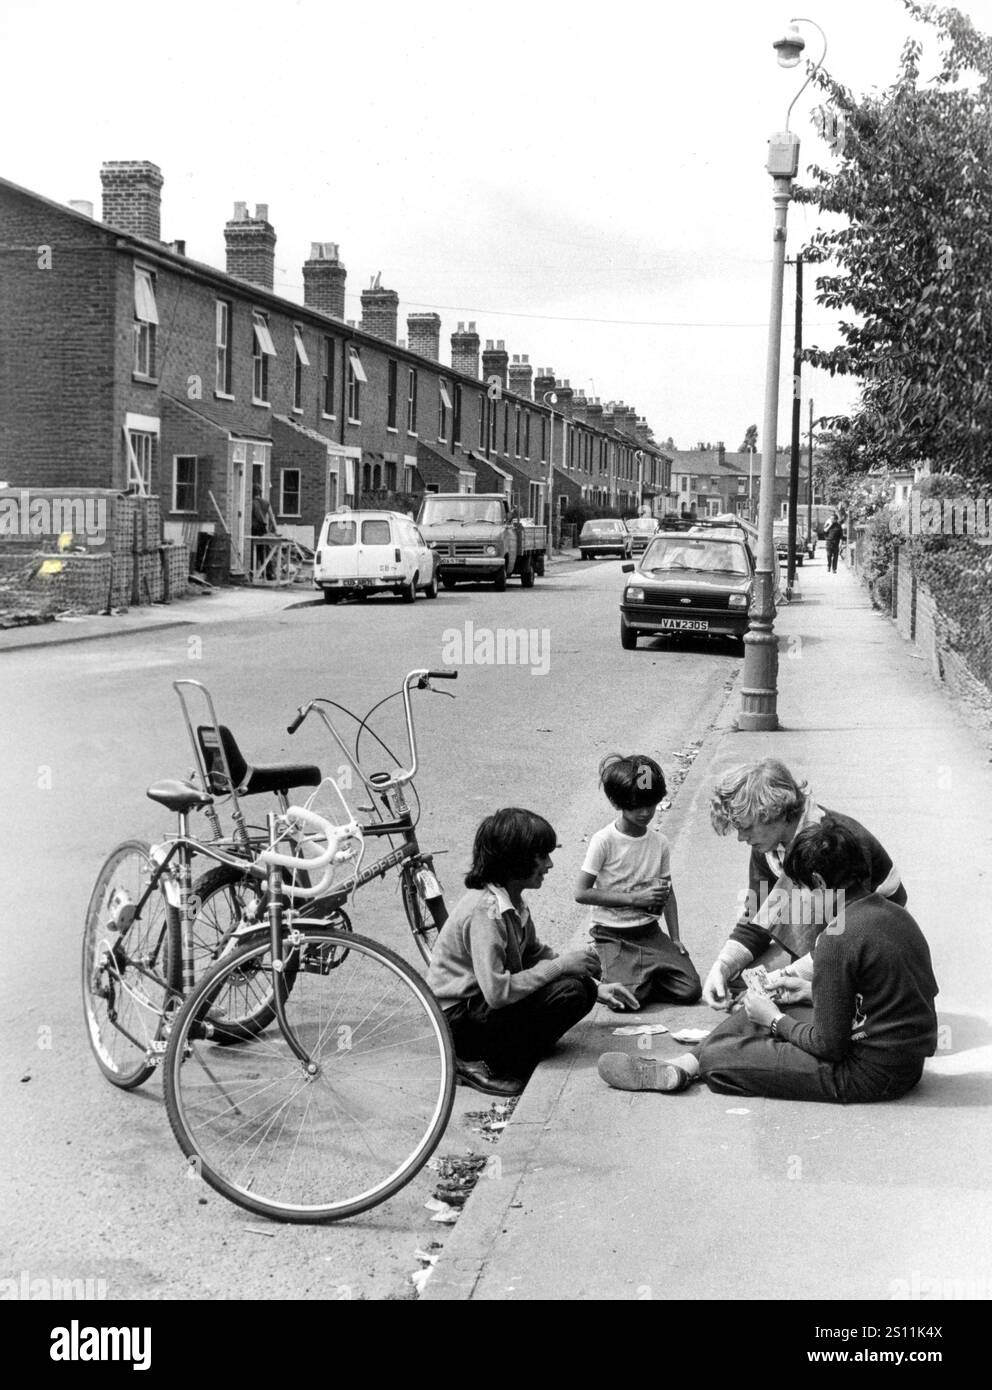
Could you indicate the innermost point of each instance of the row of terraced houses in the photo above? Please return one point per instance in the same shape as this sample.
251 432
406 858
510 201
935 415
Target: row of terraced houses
126 364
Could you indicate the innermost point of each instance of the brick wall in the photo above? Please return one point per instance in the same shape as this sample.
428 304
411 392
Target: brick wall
56 401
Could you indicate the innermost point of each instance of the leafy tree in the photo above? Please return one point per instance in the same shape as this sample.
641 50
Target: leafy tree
912 256
750 440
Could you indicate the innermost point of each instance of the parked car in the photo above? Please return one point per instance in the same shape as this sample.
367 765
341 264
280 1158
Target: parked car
641 529
607 536
804 544
359 553
698 583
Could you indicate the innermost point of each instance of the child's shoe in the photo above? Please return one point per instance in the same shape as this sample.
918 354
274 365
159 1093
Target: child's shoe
625 1072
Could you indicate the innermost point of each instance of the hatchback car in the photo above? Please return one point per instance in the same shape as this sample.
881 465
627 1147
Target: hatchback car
359 553
607 536
697 583
642 529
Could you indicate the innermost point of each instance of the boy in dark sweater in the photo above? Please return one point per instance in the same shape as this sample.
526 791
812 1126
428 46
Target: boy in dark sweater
872 1022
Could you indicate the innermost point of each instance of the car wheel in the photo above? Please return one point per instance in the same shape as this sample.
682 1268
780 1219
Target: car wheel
430 590
331 595
583 555
408 592
527 577
447 581
499 583
628 637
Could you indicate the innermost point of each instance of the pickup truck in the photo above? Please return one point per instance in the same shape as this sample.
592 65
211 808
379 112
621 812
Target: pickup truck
477 536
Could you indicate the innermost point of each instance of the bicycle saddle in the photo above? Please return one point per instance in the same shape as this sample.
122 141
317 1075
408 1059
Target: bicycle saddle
249 779
178 796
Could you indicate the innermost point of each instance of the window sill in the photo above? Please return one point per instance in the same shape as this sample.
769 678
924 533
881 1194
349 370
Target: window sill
412 434
391 429
288 516
441 439
324 416
353 421
143 380
223 396
297 410
267 405
182 511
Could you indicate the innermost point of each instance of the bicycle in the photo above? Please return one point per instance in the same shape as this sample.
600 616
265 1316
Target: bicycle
423 897
339 1103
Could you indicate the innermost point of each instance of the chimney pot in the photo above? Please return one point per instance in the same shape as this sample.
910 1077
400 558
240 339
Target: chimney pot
471 327
81 205
261 212
240 212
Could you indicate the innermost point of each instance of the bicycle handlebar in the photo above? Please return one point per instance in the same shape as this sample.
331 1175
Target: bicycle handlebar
334 836
422 680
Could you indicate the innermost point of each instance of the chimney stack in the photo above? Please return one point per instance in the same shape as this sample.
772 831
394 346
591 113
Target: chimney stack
544 382
495 361
424 335
380 311
721 452
565 395
251 246
594 413
132 197
465 350
643 432
521 377
323 279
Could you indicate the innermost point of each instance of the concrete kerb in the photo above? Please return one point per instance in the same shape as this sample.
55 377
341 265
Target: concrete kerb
465 1252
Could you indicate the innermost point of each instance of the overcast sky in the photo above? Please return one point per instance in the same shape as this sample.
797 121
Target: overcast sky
586 182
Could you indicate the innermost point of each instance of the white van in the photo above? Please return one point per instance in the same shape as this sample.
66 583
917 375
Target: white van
359 553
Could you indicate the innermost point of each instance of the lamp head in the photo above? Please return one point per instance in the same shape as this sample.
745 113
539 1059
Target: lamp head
790 47
551 398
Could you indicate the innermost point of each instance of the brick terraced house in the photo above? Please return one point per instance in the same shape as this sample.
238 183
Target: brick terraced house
125 364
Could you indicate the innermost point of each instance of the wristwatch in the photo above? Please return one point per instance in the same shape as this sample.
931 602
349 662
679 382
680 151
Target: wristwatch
774 1025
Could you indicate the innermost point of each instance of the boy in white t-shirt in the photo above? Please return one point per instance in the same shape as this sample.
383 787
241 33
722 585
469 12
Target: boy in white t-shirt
626 882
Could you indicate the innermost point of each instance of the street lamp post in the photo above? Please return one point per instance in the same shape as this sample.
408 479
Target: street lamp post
759 691
551 400
640 481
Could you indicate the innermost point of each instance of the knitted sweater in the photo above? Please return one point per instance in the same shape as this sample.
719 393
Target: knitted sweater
487 947
873 989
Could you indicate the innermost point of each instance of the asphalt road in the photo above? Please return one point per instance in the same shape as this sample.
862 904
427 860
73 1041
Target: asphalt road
93 1183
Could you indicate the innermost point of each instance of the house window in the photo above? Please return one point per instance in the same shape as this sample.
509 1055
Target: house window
302 360
456 428
139 450
390 472
534 499
289 491
483 406
327 382
684 484
183 482
506 427
356 376
145 323
443 409
516 433
527 435
222 382
410 478
391 388
264 349
544 438
411 401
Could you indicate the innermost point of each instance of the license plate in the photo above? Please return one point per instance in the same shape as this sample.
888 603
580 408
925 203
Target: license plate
457 560
364 583
686 624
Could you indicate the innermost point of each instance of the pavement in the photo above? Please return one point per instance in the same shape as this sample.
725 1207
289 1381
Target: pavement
601 1194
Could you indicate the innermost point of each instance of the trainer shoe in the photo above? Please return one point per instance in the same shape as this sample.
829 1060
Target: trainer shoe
478 1075
625 1072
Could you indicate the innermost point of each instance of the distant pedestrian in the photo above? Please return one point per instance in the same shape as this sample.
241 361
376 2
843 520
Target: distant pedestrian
626 881
859 1032
263 523
507 997
833 536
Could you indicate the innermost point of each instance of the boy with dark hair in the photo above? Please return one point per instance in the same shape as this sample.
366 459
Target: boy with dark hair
872 1022
507 997
625 880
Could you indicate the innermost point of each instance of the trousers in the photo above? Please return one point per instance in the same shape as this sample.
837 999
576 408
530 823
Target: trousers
512 1040
646 960
741 1058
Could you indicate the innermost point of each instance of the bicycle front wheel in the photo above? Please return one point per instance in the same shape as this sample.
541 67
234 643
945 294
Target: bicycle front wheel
326 1139
131 964
423 922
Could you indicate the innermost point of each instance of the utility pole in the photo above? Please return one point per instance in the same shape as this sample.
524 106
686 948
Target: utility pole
797 358
809 465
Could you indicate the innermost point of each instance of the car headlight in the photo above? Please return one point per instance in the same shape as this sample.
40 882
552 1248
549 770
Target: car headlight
738 600
633 594
490 550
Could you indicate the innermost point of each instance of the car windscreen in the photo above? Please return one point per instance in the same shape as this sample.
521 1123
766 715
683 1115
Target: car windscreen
602 528
340 533
670 553
464 510
375 533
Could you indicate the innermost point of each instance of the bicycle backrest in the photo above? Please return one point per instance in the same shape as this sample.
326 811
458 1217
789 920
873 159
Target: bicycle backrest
221 756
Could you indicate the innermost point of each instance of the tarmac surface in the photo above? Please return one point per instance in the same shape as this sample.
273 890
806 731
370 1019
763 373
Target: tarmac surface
602 1194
